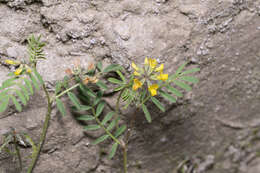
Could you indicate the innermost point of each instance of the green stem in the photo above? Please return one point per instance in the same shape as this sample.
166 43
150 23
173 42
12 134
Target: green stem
125 158
117 107
17 150
67 90
102 126
44 132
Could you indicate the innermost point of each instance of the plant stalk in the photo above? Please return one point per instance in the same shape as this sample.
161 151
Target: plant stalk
67 90
44 132
17 150
125 158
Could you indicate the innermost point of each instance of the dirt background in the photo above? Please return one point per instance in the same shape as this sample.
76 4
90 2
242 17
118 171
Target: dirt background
213 129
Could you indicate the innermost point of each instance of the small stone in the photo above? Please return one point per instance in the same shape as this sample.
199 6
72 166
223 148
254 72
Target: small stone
122 30
12 52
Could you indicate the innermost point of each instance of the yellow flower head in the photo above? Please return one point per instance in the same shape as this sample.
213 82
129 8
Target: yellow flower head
135 66
153 89
152 63
28 70
162 77
160 68
11 62
146 61
137 84
18 71
137 74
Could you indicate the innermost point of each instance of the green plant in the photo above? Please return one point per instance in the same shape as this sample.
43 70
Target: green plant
86 89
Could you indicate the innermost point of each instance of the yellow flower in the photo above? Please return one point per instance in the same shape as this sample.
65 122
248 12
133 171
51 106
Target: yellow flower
152 63
162 77
160 68
137 74
146 61
10 62
135 66
153 89
28 70
18 71
137 84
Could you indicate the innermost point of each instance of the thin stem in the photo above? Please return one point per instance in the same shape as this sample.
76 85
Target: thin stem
102 126
128 134
67 90
125 158
117 107
44 132
17 150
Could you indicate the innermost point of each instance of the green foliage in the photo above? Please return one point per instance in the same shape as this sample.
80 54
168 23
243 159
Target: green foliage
85 89
97 120
35 49
19 89
170 88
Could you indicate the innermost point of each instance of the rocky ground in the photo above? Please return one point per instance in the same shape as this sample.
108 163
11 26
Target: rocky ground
214 129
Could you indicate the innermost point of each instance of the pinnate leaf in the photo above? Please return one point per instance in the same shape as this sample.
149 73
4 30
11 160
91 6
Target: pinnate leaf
100 139
147 113
158 104
113 150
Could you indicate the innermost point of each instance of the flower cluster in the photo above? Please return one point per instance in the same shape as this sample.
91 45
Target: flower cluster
21 69
150 74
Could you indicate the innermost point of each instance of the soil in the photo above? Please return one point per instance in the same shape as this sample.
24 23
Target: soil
213 129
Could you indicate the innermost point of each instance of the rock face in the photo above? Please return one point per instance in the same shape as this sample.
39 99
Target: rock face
210 130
